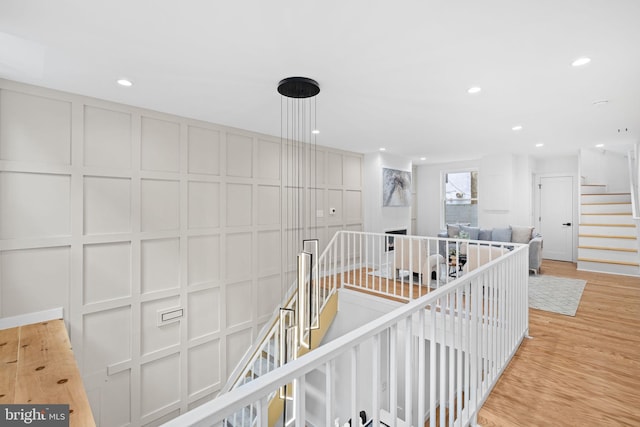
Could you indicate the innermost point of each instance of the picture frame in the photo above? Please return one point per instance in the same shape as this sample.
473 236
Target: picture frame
396 188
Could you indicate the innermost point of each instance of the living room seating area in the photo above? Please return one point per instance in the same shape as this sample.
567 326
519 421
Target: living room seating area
512 234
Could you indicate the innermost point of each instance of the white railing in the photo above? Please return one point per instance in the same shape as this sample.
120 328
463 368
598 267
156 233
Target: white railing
634 188
436 357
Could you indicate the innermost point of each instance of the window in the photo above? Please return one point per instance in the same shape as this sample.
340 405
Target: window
461 197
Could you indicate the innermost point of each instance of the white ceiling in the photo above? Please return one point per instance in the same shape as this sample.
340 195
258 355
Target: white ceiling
392 74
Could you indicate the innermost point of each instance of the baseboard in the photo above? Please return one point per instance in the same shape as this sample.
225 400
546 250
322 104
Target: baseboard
27 319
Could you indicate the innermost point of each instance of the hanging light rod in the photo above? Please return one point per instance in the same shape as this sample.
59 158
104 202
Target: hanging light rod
298 87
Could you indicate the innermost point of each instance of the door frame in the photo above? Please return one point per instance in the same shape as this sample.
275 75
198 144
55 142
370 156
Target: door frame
575 195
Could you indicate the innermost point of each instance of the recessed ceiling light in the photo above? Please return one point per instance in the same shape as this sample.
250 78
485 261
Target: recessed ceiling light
599 145
125 82
474 89
423 158
540 144
383 149
581 61
315 131
601 102
517 128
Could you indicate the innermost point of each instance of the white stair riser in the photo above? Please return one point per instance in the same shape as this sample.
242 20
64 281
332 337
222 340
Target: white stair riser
609 268
609 231
616 208
593 189
608 255
607 219
605 198
608 242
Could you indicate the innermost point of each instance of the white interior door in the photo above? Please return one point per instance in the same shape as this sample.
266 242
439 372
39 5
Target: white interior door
556 216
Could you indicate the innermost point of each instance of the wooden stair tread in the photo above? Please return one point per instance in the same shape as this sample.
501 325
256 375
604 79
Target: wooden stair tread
608 225
606 203
608 248
607 236
604 261
609 213
606 194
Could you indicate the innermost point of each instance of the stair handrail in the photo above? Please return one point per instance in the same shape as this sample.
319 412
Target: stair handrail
270 329
634 164
513 325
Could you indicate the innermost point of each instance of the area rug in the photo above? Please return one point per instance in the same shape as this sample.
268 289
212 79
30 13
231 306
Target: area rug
555 294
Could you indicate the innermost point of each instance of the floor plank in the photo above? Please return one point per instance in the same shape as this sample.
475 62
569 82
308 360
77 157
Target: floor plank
575 371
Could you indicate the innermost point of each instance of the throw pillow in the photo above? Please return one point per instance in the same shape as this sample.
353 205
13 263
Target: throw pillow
521 233
453 230
501 235
484 234
472 232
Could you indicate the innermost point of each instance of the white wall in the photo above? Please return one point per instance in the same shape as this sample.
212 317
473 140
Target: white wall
114 212
504 193
377 218
605 167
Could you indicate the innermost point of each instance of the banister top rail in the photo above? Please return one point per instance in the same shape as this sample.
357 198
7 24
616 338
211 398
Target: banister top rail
216 410
634 164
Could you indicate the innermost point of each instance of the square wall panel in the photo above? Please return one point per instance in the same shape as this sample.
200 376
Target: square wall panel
316 211
239 204
204 259
156 337
352 171
34 280
335 201
238 252
353 206
160 264
107 205
160 384
269 244
334 169
160 145
238 303
203 312
204 366
269 294
160 203
291 209
239 155
204 205
204 151
106 339
107 271
316 171
34 129
237 345
115 400
107 138
268 205
268 165
34 205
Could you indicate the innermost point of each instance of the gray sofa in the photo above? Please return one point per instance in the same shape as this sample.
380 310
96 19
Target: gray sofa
511 234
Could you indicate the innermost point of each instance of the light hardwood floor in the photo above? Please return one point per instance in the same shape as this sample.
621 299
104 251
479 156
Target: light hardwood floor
575 371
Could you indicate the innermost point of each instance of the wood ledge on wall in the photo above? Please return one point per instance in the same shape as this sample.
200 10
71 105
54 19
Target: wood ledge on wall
37 365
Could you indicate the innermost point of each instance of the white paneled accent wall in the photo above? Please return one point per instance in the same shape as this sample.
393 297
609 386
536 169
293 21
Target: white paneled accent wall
116 213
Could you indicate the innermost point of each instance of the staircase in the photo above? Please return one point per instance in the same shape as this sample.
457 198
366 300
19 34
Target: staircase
608 236
295 328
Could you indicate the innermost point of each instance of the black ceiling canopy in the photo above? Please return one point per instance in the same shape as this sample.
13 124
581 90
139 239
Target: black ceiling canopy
298 87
